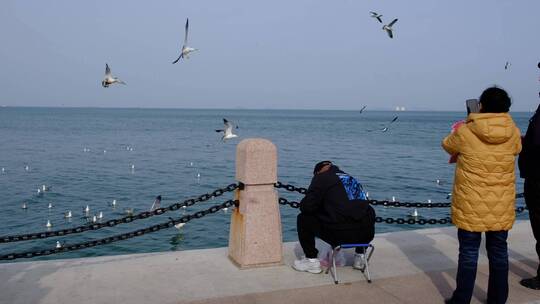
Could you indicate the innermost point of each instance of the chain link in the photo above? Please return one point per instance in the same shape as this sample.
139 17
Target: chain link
120 237
114 222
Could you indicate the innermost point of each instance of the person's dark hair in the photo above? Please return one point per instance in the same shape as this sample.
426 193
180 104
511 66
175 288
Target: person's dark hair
320 165
495 100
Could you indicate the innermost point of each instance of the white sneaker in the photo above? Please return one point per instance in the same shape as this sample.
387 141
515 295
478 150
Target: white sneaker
309 265
358 261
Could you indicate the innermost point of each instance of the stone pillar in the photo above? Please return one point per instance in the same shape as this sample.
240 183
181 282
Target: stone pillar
255 235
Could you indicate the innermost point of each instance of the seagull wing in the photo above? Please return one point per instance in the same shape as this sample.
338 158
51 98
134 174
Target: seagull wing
379 18
187 30
392 23
181 55
395 118
107 70
228 126
390 33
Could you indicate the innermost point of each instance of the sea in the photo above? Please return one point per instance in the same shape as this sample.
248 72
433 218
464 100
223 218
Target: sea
92 156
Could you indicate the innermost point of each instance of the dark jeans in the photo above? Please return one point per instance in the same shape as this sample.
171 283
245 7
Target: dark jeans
532 199
309 227
497 251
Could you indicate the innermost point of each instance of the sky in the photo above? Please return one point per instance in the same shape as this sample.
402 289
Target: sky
269 54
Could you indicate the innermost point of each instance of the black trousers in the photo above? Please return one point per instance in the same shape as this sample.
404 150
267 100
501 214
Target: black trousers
532 199
309 227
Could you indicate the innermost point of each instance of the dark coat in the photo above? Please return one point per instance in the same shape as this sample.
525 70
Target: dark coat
327 199
529 158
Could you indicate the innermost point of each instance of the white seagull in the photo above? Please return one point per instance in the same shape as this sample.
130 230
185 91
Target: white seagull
185 48
388 28
227 132
109 79
376 16
156 204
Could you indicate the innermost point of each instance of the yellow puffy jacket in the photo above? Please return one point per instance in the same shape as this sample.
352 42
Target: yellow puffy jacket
483 197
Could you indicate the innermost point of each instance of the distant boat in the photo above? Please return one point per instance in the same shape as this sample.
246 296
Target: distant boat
398 108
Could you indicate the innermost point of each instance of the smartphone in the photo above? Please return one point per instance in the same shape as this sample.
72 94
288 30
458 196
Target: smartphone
473 106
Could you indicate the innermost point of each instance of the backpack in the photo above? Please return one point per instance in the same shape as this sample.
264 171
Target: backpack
352 187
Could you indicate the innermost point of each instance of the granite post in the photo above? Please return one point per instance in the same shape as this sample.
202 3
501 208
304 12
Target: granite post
255 238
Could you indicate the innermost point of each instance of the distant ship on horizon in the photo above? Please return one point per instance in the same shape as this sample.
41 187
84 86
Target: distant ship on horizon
398 108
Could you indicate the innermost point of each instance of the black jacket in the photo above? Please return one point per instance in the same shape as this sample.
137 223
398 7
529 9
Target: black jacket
529 158
327 199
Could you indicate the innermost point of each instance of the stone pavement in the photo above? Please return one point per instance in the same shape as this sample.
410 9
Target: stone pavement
408 267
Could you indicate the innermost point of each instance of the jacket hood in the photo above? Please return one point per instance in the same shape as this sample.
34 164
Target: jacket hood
492 128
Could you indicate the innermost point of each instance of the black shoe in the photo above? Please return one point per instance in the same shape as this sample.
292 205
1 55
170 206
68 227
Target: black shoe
532 283
449 301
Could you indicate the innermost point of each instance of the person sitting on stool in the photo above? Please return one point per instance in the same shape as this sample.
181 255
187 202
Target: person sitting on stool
334 209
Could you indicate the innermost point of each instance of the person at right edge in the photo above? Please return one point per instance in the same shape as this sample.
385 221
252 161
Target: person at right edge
484 193
529 169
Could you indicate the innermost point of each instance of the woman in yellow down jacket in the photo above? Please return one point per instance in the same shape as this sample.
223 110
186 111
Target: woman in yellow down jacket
483 197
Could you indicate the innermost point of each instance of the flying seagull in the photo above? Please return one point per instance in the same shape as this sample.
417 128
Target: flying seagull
386 128
185 48
109 79
376 16
507 65
362 109
388 28
227 132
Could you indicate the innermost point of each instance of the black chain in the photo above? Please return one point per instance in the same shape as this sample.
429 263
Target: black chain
413 220
114 222
291 188
378 219
284 201
385 203
120 237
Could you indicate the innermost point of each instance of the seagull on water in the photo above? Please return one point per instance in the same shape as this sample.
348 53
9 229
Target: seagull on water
129 211
376 16
59 245
113 203
156 204
109 79
185 48
388 28
86 209
48 225
68 214
50 206
45 188
179 225
100 215
227 132
3 170
414 214
24 206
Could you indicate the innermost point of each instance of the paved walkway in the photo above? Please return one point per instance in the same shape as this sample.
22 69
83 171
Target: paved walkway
407 267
